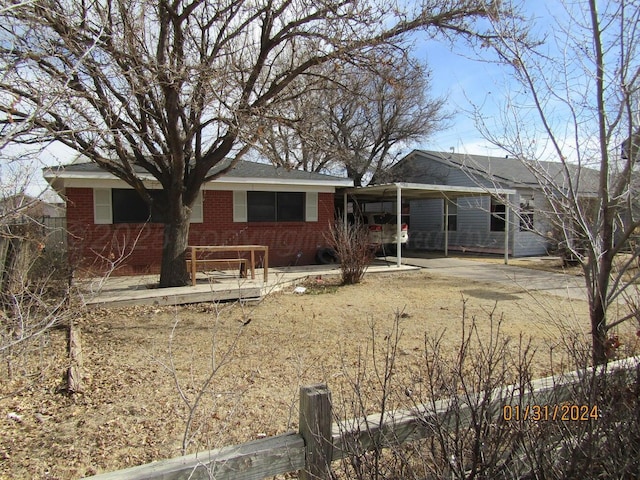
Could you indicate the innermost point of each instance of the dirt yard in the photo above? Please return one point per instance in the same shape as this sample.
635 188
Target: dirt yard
146 369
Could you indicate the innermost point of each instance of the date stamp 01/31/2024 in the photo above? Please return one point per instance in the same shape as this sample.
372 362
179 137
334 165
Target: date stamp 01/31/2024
565 412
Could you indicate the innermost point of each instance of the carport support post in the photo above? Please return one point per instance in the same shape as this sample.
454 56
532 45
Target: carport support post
446 226
398 225
507 221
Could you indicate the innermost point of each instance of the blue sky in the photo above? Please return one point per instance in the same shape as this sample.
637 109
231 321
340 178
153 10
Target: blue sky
466 80
460 80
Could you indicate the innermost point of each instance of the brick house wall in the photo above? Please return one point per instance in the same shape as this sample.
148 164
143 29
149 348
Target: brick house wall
93 246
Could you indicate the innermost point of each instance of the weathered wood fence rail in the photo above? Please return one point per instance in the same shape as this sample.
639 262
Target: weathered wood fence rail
320 439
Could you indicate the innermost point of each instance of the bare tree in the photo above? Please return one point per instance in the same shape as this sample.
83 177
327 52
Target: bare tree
355 116
174 88
581 102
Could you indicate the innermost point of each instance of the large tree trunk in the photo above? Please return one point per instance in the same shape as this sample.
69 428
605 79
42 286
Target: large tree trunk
173 270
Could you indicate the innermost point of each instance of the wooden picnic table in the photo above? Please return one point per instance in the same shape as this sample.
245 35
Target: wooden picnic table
252 249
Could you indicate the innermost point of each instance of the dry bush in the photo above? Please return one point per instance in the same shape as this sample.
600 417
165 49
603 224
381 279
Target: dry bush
34 297
197 387
590 429
351 243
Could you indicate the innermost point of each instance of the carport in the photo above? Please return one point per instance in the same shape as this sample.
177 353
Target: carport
414 191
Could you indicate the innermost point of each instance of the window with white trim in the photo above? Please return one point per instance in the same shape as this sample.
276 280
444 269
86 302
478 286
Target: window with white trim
498 215
526 216
125 205
452 216
269 206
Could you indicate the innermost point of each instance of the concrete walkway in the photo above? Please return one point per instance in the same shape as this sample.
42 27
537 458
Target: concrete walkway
140 290
221 286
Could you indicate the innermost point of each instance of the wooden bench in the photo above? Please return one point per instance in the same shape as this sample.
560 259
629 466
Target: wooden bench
216 264
230 250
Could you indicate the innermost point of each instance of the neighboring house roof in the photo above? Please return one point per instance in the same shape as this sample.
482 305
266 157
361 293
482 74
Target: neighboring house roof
243 171
26 205
511 172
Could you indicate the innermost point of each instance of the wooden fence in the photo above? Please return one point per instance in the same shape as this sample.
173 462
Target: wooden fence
55 231
19 246
318 439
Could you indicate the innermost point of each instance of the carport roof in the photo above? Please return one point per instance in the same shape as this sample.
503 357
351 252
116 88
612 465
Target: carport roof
420 191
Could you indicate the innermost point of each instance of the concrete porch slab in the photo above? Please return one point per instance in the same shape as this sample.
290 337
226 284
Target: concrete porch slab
221 286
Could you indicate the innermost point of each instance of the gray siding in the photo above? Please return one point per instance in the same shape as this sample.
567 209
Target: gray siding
425 230
474 218
530 243
474 229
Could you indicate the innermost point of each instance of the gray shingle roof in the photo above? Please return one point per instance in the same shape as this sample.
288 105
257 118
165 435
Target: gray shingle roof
518 173
243 169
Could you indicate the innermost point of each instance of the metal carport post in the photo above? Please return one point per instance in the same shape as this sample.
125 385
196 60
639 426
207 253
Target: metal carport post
398 225
418 191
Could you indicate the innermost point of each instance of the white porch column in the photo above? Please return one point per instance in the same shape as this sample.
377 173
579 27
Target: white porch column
398 225
507 221
446 226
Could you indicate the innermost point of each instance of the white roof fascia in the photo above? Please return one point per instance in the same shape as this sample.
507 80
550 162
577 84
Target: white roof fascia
103 179
235 183
453 188
271 187
372 189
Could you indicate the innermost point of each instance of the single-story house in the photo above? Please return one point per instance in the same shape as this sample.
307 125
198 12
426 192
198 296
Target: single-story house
478 224
253 204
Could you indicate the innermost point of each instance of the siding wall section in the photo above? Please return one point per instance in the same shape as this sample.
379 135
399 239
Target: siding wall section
426 219
93 246
531 243
473 222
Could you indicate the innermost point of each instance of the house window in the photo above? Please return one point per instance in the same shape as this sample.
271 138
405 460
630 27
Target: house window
498 215
125 205
276 207
526 217
129 207
452 216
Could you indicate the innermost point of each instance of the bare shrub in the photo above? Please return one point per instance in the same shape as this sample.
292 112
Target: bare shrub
197 386
32 300
482 415
351 243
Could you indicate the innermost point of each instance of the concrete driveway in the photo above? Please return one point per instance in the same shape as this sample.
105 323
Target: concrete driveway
528 279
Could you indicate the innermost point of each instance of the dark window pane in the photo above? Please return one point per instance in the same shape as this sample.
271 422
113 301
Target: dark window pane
275 206
498 215
261 206
129 207
290 206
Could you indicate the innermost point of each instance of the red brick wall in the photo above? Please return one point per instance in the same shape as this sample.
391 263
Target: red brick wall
93 246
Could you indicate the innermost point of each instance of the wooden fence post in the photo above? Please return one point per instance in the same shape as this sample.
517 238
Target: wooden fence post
315 428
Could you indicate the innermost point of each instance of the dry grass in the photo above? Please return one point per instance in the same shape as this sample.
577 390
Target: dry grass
131 412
